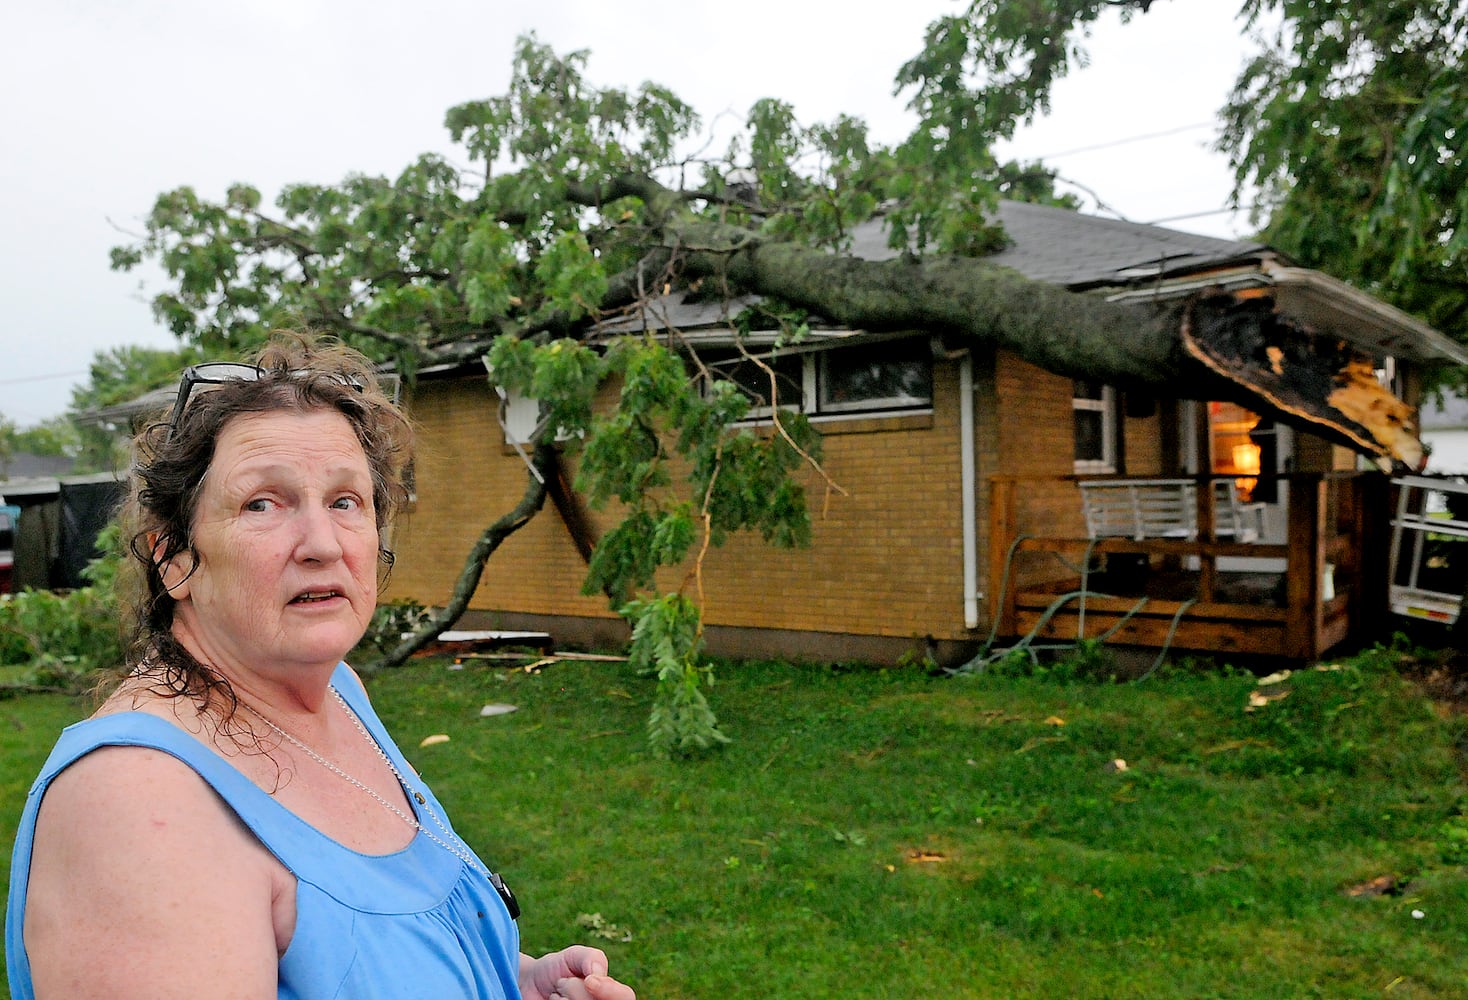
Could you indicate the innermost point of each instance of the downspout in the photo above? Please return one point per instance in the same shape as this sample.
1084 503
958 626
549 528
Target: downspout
968 477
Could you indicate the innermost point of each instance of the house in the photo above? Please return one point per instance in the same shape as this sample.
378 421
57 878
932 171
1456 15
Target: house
54 520
18 470
964 518
1445 431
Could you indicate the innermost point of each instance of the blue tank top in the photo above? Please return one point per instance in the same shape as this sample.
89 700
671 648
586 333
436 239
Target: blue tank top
417 923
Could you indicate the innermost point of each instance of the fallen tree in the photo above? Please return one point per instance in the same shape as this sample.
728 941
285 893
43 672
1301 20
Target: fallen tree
578 216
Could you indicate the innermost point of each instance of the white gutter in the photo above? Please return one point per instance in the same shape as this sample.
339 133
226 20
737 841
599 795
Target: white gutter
968 477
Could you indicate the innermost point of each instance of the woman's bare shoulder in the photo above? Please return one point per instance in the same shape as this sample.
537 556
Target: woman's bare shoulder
133 848
130 786
138 692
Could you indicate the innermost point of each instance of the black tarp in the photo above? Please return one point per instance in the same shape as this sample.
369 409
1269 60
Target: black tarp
37 543
85 510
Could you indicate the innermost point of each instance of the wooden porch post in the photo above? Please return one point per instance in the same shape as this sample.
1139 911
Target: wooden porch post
1207 519
1001 534
1375 503
1305 564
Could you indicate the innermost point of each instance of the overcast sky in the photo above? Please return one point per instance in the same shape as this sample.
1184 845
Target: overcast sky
107 103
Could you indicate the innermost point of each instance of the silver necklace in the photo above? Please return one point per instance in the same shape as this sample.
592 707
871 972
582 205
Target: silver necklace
447 842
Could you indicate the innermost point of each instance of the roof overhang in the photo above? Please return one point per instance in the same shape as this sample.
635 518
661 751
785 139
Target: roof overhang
1324 303
44 486
1321 303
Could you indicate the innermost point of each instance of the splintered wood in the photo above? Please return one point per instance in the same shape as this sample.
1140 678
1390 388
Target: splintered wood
1305 374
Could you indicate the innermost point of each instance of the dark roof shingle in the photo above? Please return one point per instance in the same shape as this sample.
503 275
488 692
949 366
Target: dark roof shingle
1082 251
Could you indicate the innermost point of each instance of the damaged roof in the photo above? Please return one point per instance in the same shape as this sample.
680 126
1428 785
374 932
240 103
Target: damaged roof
1080 252
1128 261
1054 245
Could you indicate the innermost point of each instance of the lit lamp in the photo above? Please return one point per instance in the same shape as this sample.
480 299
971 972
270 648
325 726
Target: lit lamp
1246 462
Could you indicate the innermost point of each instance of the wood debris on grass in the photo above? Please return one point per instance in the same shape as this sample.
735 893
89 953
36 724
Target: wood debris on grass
537 663
920 857
1382 885
1259 699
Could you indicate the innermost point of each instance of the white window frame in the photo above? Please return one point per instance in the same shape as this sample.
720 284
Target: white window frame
889 403
807 385
812 362
1106 406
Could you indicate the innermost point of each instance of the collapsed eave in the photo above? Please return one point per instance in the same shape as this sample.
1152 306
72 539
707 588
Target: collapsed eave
1318 302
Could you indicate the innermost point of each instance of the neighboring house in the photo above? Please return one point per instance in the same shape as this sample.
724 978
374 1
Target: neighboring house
1445 430
56 519
963 515
24 465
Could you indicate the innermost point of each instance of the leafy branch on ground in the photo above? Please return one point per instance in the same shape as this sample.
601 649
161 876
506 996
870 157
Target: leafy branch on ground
58 639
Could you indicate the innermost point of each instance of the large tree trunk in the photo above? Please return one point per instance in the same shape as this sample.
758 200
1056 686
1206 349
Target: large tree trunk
1212 346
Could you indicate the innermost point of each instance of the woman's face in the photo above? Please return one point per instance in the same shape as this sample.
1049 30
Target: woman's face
287 546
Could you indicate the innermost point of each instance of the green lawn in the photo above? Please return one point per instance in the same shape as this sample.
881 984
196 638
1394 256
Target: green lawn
875 834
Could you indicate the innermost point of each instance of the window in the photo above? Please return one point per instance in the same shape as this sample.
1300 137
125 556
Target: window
897 375
1094 406
838 382
753 378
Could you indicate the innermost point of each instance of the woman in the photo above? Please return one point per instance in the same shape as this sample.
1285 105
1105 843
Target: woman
234 822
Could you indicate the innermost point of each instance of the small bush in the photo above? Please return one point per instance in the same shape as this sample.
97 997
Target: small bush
62 636
390 622
1453 840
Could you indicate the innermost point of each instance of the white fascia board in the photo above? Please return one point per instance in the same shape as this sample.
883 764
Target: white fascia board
1362 319
1324 304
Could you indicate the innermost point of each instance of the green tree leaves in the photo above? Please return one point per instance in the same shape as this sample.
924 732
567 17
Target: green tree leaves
666 641
1350 124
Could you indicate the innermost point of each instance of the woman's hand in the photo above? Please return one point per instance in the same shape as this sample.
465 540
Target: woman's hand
574 973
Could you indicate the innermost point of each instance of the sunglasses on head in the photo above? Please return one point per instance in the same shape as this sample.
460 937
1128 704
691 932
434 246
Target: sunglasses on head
224 372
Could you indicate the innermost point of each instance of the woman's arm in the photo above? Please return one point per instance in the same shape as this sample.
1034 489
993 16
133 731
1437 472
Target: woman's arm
144 885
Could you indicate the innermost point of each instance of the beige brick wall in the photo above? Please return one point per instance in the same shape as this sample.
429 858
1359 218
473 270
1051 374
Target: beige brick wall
1036 447
1142 437
885 560
466 480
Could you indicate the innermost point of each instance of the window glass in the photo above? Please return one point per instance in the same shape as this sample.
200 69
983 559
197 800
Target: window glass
1237 448
1090 436
1094 410
890 375
753 377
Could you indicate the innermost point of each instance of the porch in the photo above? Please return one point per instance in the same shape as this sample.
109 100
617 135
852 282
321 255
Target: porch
1049 578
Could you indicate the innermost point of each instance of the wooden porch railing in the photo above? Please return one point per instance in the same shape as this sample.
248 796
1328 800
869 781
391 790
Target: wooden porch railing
1335 520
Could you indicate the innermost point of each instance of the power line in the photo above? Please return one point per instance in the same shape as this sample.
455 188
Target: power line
39 378
1129 139
1195 215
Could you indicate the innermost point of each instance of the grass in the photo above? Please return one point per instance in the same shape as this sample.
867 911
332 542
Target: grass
875 834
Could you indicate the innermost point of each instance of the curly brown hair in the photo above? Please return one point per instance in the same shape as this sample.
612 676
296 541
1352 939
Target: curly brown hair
297 373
